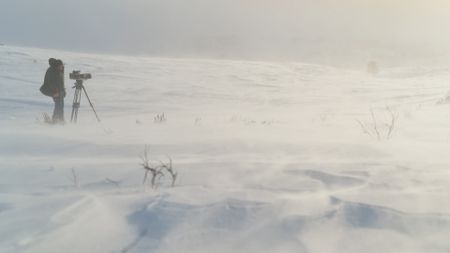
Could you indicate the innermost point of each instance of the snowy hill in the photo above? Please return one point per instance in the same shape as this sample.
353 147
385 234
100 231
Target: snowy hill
271 157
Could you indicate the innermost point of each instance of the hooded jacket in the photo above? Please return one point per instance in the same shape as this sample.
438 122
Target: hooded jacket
53 80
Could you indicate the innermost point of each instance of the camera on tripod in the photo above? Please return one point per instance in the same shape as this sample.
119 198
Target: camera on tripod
76 75
79 87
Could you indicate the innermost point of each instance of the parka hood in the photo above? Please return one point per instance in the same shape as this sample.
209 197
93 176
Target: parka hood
53 62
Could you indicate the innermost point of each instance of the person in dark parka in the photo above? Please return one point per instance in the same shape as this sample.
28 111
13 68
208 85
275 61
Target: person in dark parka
54 87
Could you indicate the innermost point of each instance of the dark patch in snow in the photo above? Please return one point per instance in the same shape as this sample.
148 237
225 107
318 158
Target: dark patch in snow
365 216
333 181
158 218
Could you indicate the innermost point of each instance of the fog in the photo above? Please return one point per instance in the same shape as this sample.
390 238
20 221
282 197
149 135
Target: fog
309 30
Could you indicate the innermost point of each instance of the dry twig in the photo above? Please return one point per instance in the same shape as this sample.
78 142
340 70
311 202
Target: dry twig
155 172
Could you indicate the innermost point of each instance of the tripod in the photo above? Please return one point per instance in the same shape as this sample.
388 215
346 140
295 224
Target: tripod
77 99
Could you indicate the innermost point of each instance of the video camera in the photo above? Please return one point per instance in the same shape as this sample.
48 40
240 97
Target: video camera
76 75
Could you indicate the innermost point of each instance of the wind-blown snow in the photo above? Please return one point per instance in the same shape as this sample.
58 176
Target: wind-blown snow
270 156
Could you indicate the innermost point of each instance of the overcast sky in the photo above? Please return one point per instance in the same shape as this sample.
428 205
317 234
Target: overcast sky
227 27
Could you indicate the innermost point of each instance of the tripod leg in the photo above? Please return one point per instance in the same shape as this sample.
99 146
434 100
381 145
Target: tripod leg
76 105
73 106
90 103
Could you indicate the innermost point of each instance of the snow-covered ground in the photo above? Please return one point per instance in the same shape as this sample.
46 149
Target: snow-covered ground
272 157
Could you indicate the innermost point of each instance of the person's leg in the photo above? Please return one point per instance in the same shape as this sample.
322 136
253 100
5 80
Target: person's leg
55 110
58 113
61 110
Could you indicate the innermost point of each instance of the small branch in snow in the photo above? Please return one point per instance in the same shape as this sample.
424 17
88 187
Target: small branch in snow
113 182
375 127
160 118
74 178
155 172
374 130
391 126
169 168
364 128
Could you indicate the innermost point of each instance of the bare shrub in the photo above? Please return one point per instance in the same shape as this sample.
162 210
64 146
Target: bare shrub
374 130
157 172
160 118
169 168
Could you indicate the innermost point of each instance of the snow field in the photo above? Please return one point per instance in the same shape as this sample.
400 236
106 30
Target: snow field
271 158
